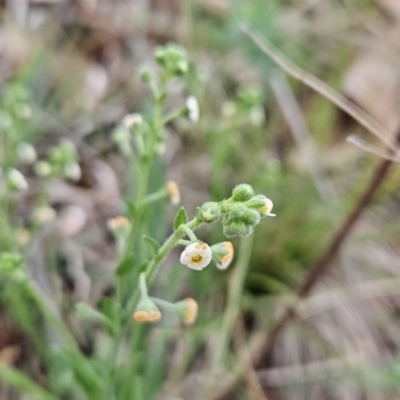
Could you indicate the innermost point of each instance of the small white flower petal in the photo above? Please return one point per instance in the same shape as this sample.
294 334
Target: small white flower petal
196 256
193 109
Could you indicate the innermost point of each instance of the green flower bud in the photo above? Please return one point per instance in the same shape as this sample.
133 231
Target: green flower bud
262 204
209 212
43 169
236 212
11 266
182 67
173 59
68 151
10 262
252 217
56 155
256 202
242 192
237 228
145 75
160 56
15 180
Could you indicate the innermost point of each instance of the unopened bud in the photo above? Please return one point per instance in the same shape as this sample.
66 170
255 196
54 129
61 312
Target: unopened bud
43 169
242 192
209 212
187 310
146 311
262 204
145 75
15 180
237 228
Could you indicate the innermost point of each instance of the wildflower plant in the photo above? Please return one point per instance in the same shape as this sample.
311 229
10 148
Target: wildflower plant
139 138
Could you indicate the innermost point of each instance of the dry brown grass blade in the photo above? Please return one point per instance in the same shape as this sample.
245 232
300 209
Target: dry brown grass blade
320 87
250 377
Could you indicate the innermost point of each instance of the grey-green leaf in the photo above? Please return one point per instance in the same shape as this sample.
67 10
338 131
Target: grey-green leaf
181 218
152 245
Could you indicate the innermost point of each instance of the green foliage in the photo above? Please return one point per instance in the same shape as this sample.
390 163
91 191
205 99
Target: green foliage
181 218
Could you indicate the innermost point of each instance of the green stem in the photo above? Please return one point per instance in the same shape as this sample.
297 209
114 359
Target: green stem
142 285
163 304
174 114
169 244
151 198
22 383
189 233
232 310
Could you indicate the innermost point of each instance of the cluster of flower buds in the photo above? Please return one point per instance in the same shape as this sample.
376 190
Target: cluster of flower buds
62 162
244 210
240 213
172 59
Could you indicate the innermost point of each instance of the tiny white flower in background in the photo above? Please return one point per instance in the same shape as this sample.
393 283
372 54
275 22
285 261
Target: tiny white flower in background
15 180
42 168
132 120
26 153
193 109
257 116
267 208
73 171
196 256
173 191
43 215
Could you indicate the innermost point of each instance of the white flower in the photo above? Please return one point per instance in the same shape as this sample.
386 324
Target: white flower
257 116
196 256
267 208
15 180
73 171
193 109
26 153
43 215
132 120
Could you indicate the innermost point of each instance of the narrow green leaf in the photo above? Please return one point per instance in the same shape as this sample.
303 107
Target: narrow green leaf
152 245
181 218
130 208
125 266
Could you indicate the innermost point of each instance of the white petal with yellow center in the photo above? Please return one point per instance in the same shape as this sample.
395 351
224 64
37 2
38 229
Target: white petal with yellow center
196 256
